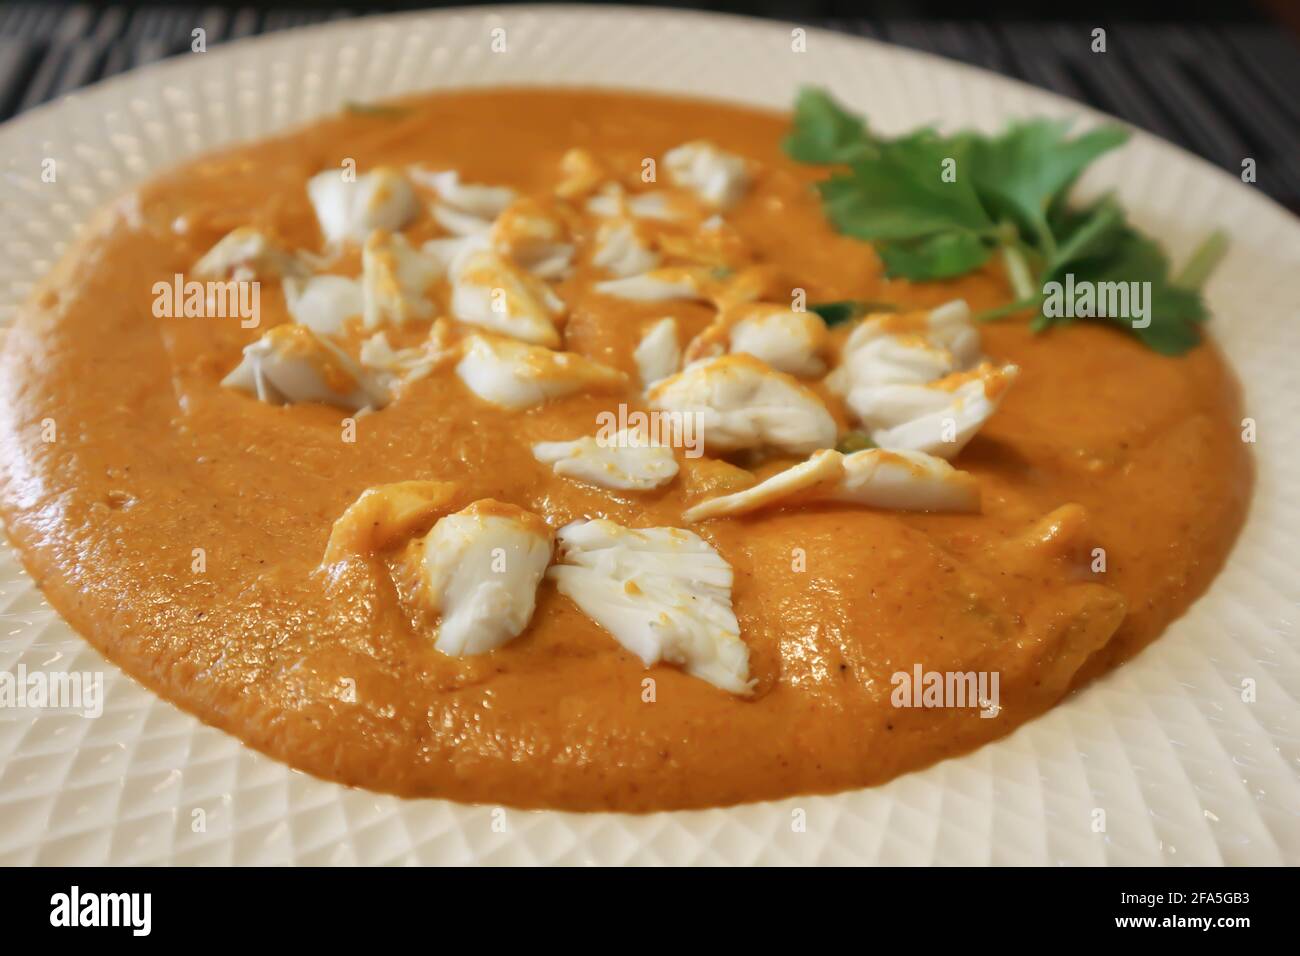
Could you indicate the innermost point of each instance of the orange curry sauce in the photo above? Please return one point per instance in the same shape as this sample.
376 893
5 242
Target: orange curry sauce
1100 443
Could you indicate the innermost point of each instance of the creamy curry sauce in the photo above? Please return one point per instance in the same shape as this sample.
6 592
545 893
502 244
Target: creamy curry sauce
1101 443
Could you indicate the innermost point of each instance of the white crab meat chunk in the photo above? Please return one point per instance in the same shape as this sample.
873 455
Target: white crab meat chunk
789 341
890 481
658 285
485 202
939 418
691 283
660 206
909 348
717 178
515 375
609 203
350 207
450 251
384 516
580 174
405 365
246 253
379 356
290 364
534 239
490 292
906 481
663 593
395 279
741 403
621 250
624 461
460 224
323 303
478 571
658 355
463 209
889 360
803 481
613 202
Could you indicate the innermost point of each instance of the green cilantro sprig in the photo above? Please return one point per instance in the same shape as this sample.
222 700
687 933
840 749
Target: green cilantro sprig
936 207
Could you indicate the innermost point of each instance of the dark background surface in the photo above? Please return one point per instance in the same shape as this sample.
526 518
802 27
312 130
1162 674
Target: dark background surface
1221 79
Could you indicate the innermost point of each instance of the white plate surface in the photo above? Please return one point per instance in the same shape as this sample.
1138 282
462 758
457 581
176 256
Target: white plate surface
1186 771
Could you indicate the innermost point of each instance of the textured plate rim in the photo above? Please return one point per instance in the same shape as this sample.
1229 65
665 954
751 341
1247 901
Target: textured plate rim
104 91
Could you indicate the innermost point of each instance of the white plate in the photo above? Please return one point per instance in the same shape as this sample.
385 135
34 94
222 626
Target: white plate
1185 771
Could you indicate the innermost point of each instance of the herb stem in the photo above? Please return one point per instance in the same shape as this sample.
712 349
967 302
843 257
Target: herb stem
1022 283
1202 262
988 315
1046 240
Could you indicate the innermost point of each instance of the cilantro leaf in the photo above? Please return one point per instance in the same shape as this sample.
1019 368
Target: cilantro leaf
1174 311
941 256
1099 247
899 194
937 207
825 133
1020 173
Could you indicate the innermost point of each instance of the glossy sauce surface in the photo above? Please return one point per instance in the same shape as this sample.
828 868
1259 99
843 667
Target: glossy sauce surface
1099 444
